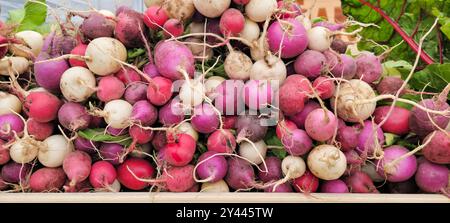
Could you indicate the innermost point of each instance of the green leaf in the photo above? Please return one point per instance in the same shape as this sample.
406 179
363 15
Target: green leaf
271 139
435 76
15 16
396 68
99 135
390 139
31 17
133 53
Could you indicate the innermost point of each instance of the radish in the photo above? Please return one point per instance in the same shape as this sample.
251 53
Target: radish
102 175
211 8
139 136
397 122
346 97
187 128
77 84
372 171
154 17
259 11
347 136
135 92
390 85
128 75
241 2
132 167
282 188
211 85
47 180
284 127
80 50
327 162
4 153
55 150
438 149
73 116
112 152
179 9
179 179
321 124
221 141
270 68
215 187
422 123
33 42
291 9
229 122
10 126
192 92
288 37
144 113
41 106
394 167
227 98
360 182
300 117
251 31
105 55
211 167
307 183
431 177
205 119
293 167
334 186
171 113
77 166
238 65
173 28
116 131
258 94
85 145
324 87
141 151
13 65
369 68
310 64
151 70
200 50
182 60
161 92
273 171
24 150
240 174
250 127
180 149
15 173
129 28
110 88
339 45
96 26
370 139
344 66
9 103
297 142
293 94
322 38
117 113
255 152
232 22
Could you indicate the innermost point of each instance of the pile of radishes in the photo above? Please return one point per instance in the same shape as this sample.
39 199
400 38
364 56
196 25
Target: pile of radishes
290 110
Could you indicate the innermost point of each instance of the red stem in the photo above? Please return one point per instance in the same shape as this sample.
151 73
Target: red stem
402 12
441 56
410 41
417 26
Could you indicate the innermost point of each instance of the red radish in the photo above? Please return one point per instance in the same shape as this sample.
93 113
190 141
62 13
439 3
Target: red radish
159 140
347 136
128 75
77 166
393 167
438 150
86 145
144 113
47 180
422 122
179 179
343 66
324 87
73 116
307 183
102 174
241 2
139 136
160 92
250 126
39 130
10 125
151 70
42 106
84 186
116 131
240 174
15 173
3 184
297 142
132 167
227 99
135 92
284 127
321 124
273 171
181 60
257 94
110 88
129 28
360 182
221 141
397 122
205 119
211 167
171 113
97 25
80 49
231 22
310 64
155 16
432 178
112 152
289 35
229 121
4 153
390 85
179 149
369 68
334 186
173 27
292 9
293 94
282 188
367 143
300 117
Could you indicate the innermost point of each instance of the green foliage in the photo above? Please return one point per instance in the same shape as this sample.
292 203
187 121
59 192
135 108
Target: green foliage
31 17
100 135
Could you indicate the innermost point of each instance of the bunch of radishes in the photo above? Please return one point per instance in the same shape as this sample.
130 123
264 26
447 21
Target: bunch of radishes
290 110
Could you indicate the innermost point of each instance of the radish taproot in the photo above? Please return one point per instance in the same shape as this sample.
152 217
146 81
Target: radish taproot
77 84
77 166
73 116
55 149
130 169
9 103
47 180
438 149
105 55
327 162
222 141
255 153
102 175
110 88
211 167
180 149
288 37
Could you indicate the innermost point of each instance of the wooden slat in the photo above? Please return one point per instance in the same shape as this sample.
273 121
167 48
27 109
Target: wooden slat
136 197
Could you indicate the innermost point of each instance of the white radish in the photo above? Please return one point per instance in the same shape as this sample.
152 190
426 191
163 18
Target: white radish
256 154
322 38
13 65
327 162
187 128
9 103
251 31
192 92
270 68
115 186
107 13
216 187
293 166
211 84
259 51
149 3
211 8
238 65
25 150
346 99
179 9
117 113
34 42
103 55
55 149
260 10
198 50
77 84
